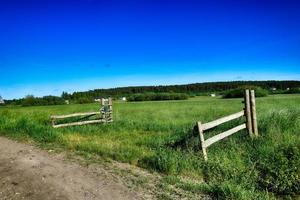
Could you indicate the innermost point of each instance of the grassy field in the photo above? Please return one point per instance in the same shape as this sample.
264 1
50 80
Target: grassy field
159 136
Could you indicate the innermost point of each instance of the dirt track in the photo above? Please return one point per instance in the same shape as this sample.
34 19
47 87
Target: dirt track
29 173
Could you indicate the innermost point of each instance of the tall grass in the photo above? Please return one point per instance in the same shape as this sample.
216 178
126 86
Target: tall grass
159 136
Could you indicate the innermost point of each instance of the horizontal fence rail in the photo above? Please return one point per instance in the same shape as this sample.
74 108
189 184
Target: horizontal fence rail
249 113
222 120
73 115
223 135
79 123
105 115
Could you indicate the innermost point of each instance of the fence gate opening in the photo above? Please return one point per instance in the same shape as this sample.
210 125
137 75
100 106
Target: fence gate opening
249 113
104 115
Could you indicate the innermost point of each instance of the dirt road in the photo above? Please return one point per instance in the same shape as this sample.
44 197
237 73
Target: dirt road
30 173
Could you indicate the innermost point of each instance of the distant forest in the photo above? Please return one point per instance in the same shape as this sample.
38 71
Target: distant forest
195 88
170 91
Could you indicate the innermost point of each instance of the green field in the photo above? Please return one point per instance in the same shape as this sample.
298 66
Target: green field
159 136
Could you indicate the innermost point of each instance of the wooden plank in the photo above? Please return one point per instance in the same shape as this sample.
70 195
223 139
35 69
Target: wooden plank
102 102
73 115
222 120
86 117
248 112
253 113
110 101
223 135
79 123
110 109
202 141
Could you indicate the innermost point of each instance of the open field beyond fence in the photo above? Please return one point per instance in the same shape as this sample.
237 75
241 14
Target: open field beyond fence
159 136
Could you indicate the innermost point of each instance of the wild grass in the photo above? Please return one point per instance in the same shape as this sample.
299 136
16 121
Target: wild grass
159 136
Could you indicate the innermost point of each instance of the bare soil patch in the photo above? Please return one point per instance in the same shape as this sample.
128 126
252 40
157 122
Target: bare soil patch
27 172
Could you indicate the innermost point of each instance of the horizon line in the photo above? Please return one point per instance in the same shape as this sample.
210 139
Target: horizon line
160 85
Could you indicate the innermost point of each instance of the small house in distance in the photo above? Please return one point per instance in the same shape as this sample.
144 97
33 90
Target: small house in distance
123 98
213 95
1 100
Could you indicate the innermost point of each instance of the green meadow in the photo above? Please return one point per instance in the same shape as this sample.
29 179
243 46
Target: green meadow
160 136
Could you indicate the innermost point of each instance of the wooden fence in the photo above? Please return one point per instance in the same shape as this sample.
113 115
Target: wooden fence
105 115
249 113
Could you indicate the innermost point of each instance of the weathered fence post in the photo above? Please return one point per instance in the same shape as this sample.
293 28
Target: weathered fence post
102 101
107 109
248 112
253 113
110 115
201 135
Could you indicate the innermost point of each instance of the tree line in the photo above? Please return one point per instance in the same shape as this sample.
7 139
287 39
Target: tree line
157 96
30 100
194 89
158 92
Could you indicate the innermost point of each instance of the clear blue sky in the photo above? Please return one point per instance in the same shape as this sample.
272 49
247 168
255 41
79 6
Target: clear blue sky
47 47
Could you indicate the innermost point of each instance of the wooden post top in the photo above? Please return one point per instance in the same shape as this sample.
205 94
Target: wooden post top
105 101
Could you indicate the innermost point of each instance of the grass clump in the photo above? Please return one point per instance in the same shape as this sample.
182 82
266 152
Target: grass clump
23 127
279 170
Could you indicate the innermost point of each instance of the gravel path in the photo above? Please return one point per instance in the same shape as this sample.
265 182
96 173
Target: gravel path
30 173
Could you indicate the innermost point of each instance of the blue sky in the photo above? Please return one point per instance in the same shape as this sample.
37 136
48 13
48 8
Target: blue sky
47 47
